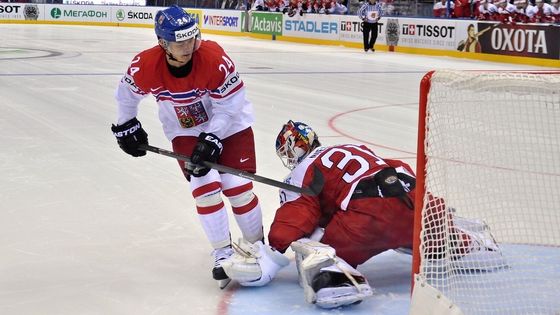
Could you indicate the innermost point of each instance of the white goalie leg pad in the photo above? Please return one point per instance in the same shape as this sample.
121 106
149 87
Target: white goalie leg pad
317 258
299 259
313 256
352 291
314 253
483 252
317 235
254 264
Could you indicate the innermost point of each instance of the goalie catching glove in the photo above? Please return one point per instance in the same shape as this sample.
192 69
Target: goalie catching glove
254 264
327 280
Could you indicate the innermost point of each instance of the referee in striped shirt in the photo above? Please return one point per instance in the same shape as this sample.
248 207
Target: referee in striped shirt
370 12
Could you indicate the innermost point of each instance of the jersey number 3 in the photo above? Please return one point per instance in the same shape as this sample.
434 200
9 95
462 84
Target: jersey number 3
349 156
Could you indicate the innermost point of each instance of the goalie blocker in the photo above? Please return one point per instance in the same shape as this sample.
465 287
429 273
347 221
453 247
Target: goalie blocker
327 280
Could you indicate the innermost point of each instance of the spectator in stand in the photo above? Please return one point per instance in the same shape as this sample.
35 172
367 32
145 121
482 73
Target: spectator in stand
543 12
230 4
506 11
389 8
531 10
370 13
324 6
314 6
521 15
258 5
555 10
293 7
244 5
283 5
441 10
269 5
274 5
296 7
463 8
487 11
475 5
547 8
336 7
306 6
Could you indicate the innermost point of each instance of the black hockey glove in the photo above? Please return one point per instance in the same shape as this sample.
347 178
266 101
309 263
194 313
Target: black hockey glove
130 136
208 148
388 181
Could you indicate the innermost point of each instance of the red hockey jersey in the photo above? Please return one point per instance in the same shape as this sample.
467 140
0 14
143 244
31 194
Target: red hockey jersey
210 99
388 222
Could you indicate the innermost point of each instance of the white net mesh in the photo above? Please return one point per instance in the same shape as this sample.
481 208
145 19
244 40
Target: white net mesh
492 145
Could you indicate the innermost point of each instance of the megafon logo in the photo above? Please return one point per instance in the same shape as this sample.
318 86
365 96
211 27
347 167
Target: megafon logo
56 13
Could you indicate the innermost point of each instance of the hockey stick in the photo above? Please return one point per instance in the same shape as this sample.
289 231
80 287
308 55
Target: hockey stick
311 191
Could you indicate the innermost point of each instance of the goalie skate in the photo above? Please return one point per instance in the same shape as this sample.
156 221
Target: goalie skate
483 252
468 246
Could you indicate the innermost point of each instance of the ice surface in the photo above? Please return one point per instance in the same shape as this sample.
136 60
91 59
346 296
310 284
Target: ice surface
86 229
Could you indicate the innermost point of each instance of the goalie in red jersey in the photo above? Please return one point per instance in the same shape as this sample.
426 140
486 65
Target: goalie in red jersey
364 207
358 188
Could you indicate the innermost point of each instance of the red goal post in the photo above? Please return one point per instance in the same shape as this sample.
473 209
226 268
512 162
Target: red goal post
489 145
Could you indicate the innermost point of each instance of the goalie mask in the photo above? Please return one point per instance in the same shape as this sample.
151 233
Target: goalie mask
294 142
175 27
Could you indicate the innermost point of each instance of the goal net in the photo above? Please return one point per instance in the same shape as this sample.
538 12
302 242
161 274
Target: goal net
489 156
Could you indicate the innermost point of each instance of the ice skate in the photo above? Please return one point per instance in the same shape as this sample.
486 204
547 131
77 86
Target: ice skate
218 272
483 252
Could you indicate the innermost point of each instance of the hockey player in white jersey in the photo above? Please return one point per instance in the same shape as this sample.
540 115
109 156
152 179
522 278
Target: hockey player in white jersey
555 10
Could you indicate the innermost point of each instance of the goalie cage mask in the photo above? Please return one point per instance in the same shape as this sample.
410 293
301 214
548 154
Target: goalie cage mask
294 142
